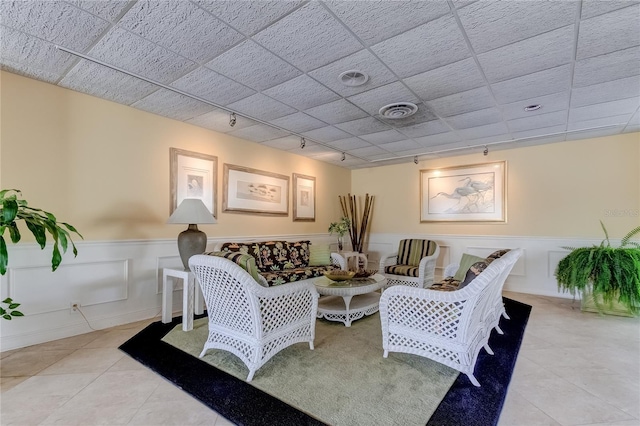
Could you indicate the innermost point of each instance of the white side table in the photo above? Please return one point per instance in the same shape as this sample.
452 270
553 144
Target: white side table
353 259
191 295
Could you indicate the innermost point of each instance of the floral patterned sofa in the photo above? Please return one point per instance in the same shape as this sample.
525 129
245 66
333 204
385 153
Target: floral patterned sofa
280 262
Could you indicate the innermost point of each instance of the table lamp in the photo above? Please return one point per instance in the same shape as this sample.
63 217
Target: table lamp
192 240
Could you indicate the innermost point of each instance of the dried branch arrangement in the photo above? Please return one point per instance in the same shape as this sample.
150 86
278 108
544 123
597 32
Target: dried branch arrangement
359 224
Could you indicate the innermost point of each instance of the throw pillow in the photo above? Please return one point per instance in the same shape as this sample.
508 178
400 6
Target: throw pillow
465 263
245 261
475 270
497 255
319 255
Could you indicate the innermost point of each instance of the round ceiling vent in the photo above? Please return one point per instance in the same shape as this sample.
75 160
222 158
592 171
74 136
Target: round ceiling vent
398 110
353 78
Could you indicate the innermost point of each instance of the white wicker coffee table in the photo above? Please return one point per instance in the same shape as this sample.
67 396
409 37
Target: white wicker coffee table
347 301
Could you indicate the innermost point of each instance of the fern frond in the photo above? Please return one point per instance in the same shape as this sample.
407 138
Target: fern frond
626 238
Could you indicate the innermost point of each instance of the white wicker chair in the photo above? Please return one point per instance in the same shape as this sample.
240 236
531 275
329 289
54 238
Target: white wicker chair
425 269
446 326
251 321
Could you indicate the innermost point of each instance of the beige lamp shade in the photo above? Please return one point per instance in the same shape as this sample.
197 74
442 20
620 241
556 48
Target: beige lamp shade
192 240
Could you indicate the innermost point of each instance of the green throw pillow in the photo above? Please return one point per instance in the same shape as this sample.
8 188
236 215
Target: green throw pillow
319 255
465 263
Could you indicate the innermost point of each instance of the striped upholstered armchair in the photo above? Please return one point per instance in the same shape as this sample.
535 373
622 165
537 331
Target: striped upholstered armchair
413 264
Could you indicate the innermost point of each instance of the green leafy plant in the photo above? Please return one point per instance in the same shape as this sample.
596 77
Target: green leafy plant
610 273
340 227
9 311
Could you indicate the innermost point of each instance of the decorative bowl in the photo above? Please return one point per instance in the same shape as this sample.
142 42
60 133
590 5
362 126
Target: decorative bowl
339 275
365 273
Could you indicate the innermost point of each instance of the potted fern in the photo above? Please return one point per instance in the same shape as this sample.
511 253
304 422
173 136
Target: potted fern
39 222
608 277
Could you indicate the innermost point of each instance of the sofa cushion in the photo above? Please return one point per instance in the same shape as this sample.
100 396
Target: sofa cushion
284 276
404 270
245 261
447 284
299 253
474 270
410 252
497 254
319 255
465 263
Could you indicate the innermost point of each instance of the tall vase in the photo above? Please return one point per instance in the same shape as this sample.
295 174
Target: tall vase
340 243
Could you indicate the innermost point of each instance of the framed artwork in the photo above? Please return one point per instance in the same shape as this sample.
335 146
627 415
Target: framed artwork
304 198
192 175
254 191
474 193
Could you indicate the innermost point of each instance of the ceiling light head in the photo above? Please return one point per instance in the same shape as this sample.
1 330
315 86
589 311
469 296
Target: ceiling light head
533 107
353 78
232 119
344 156
303 143
398 110
486 151
415 159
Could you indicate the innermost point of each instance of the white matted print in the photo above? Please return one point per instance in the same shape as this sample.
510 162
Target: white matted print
249 190
464 193
304 198
192 175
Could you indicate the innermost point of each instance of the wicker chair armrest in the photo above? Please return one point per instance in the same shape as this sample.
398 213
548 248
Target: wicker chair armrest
451 269
425 293
285 289
338 260
388 260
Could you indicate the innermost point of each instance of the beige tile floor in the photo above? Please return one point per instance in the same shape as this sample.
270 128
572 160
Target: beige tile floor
573 369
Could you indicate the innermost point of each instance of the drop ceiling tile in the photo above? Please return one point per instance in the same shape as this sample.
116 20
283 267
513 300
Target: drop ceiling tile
326 134
261 107
609 32
493 24
54 21
447 80
439 139
631 128
252 65
308 38
302 93
285 143
612 66
594 8
475 118
462 102
545 132
374 99
616 120
595 133
635 120
109 10
532 142
348 144
540 83
368 152
498 140
399 146
336 112
609 91
248 17
605 109
218 120
135 54
193 33
383 137
550 119
298 122
363 126
550 103
376 21
484 131
313 151
425 129
429 46
259 133
173 105
538 53
210 85
32 57
363 61
105 83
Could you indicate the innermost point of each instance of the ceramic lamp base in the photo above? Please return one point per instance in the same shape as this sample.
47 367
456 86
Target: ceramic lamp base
191 241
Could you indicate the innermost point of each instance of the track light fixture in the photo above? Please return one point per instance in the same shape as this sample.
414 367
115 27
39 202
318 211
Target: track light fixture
486 150
415 159
343 156
303 143
232 119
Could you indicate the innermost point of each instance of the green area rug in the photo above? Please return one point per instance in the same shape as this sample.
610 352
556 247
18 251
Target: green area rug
344 381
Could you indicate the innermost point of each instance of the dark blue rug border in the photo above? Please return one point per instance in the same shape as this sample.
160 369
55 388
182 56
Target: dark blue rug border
242 404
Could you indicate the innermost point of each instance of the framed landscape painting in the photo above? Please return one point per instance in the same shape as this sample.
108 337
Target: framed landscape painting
192 175
304 198
249 190
473 193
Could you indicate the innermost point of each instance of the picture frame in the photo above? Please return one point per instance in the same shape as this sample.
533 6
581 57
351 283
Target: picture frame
192 175
304 198
471 193
248 190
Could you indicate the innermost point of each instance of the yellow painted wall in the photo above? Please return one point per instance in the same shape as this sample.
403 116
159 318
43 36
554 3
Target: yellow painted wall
104 167
557 190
